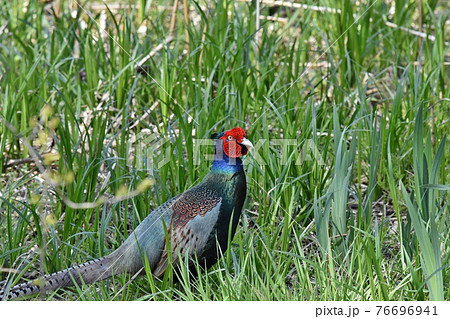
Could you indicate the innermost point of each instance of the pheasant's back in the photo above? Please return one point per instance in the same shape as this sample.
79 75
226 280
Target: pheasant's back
148 238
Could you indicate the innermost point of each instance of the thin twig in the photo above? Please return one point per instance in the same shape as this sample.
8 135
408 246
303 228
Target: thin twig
186 20
139 65
323 9
9 270
173 19
297 6
413 32
205 29
19 162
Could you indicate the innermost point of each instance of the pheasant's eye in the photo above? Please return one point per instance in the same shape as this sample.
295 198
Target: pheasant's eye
230 137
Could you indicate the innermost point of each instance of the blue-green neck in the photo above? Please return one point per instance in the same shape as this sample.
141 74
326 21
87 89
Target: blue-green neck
224 164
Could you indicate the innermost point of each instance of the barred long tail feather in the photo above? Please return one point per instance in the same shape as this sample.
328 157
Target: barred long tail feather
87 272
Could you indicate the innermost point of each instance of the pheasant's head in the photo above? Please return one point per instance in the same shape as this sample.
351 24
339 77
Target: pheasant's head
235 142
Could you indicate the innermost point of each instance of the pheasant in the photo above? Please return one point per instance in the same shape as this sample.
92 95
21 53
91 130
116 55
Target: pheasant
197 223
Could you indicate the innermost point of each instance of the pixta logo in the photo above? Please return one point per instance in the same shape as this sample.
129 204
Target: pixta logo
153 151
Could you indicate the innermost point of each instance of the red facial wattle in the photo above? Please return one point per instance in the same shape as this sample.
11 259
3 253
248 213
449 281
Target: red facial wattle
235 143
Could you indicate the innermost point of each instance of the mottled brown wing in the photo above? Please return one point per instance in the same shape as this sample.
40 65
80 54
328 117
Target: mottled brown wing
194 215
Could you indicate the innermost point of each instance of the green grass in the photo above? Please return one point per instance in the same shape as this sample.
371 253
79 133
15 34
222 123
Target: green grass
348 182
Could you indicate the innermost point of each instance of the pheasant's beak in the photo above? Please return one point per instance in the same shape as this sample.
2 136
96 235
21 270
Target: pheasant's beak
246 143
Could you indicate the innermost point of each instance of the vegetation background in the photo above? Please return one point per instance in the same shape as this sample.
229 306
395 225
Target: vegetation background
347 102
